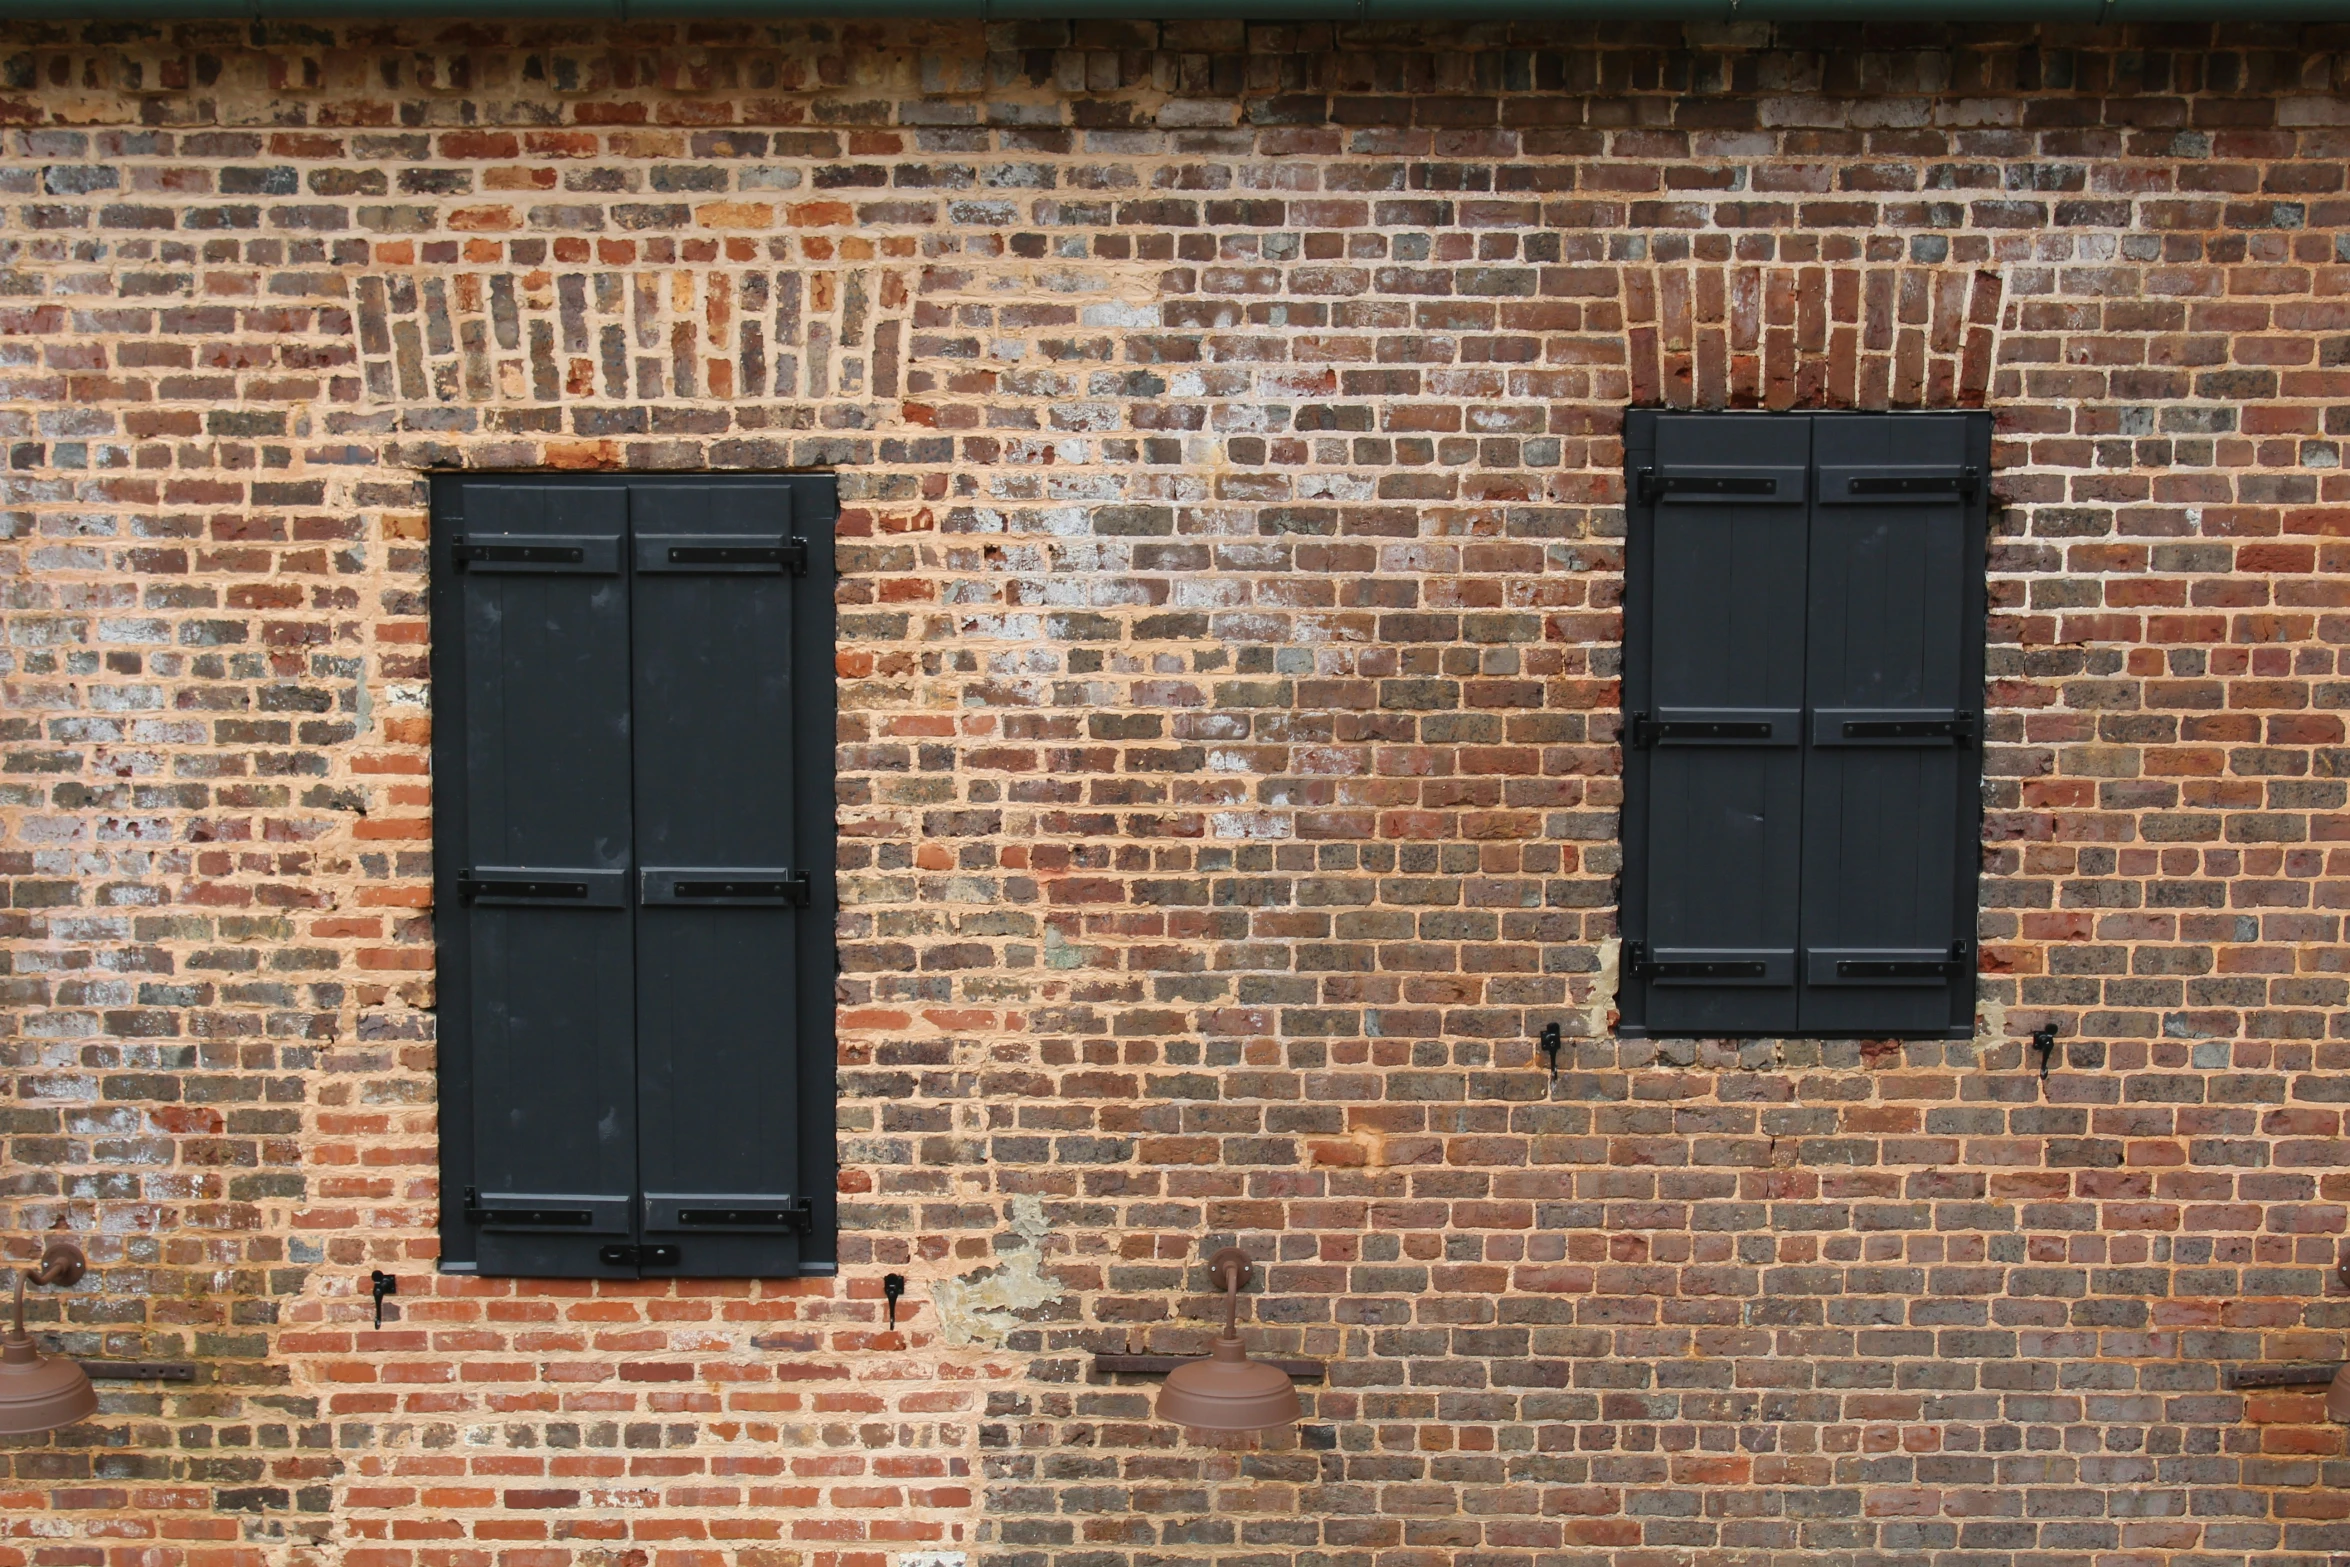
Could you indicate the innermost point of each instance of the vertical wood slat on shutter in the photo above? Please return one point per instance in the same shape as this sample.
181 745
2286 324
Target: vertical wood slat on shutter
723 883
532 861
1895 684
1714 613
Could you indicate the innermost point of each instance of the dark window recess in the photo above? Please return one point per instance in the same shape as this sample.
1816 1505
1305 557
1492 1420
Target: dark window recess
633 870
1803 683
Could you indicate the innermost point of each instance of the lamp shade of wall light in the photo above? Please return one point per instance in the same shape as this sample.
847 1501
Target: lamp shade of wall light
42 1392
1227 1391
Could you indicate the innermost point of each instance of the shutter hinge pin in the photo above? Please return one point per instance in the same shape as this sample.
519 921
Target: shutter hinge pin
795 555
1636 961
1640 733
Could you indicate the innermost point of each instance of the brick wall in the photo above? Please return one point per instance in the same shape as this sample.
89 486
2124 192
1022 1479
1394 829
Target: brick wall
1227 428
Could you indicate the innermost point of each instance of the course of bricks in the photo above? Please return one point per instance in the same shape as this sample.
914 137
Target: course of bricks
1227 427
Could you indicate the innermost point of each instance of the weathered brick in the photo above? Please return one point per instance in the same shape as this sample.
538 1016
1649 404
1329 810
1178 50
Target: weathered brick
1227 422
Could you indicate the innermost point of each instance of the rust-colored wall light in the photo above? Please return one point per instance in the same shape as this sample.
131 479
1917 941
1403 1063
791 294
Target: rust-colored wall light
39 1392
2338 1395
1227 1391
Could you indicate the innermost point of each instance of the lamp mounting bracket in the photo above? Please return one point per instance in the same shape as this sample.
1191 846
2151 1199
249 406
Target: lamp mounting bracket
1231 1260
62 1262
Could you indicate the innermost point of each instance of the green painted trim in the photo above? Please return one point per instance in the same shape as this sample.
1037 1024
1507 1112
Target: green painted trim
2076 12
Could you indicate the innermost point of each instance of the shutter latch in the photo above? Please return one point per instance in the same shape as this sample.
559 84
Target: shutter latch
655 1256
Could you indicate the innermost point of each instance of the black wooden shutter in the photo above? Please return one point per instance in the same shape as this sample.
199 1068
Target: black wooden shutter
1804 622
634 873
1714 701
1895 680
724 887
534 860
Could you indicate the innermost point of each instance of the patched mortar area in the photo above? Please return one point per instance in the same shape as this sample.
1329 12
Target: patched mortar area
985 1306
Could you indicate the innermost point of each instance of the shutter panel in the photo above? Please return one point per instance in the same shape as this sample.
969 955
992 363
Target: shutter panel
533 884
1895 682
1715 758
722 893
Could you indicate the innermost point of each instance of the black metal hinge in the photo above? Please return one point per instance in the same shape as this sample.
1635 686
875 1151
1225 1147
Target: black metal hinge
475 1213
623 1256
1649 486
1953 967
1964 483
1708 968
518 554
1646 730
791 555
1960 728
470 887
799 1217
794 889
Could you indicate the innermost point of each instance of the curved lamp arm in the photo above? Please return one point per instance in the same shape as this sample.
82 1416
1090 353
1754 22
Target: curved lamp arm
62 1262
1233 1267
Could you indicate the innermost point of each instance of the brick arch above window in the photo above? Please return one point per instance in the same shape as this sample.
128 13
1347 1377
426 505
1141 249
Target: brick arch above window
1826 334
634 336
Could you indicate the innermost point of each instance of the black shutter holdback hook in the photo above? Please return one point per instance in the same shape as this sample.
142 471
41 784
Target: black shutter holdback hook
893 1285
1550 1048
2044 1041
382 1284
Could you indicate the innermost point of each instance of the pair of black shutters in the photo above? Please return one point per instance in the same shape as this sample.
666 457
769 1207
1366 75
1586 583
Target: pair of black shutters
634 846
1804 626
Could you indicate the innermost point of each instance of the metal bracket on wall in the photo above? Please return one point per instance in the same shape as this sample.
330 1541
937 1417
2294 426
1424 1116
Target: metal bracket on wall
2284 1373
138 1370
1160 1365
